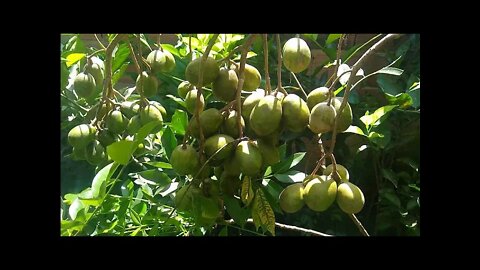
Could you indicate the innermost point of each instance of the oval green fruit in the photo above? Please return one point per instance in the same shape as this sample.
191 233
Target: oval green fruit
84 84
184 197
183 88
322 118
159 106
252 78
215 143
149 85
320 193
230 125
134 125
291 198
95 153
249 158
225 86
317 95
97 72
157 60
350 198
341 170
266 115
270 153
106 138
81 135
116 122
345 119
210 120
295 113
296 55
250 102
169 62
184 160
150 113
129 108
191 101
210 71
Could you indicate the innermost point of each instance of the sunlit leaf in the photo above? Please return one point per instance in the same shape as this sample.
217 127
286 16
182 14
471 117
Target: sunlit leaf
290 177
100 179
121 151
76 206
179 122
263 212
74 58
234 209
354 129
247 191
169 142
332 37
371 119
284 165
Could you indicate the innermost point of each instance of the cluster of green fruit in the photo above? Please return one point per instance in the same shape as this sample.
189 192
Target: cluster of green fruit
319 192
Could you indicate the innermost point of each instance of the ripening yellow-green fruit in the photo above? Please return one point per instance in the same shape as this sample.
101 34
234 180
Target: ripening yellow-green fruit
295 113
184 160
169 62
116 122
215 143
249 158
322 118
150 113
210 71
341 170
210 120
159 106
291 198
270 153
134 125
97 72
149 84
350 198
320 193
84 84
317 95
81 135
191 101
345 118
157 60
183 88
129 108
296 55
250 102
266 115
252 78
225 86
95 153
184 197
230 124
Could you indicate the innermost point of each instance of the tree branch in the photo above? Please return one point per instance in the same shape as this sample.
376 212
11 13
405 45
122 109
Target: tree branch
339 52
299 85
268 87
288 227
279 68
99 42
359 225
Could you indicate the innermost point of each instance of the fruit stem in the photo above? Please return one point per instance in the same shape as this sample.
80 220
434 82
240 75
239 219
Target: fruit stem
299 85
285 226
139 71
241 79
99 42
158 42
359 225
227 58
339 52
279 68
268 87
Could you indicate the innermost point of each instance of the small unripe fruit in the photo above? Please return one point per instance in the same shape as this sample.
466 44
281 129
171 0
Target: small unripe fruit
84 84
320 193
225 86
157 60
341 170
350 198
184 161
295 113
116 122
210 120
291 198
210 71
265 117
149 84
216 142
230 125
316 96
249 158
296 55
183 88
322 118
81 135
191 101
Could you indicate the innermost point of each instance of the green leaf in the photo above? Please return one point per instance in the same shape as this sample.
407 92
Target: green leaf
415 187
169 142
284 165
100 180
121 151
290 177
392 198
179 122
391 70
247 191
272 187
178 100
380 139
76 206
119 73
312 37
415 95
143 39
121 54
355 129
144 131
249 55
153 177
74 58
403 100
160 164
332 37
234 209
127 188
69 198
340 89
391 176
195 42
171 49
389 84
262 212
223 232
372 119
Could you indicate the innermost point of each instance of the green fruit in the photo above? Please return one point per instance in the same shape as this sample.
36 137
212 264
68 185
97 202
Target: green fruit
250 102
191 101
249 158
320 193
322 118
97 73
141 150
183 88
295 113
84 84
350 198
157 60
216 142
159 107
273 138
210 187
169 62
129 108
134 125
184 197
106 138
95 153
98 61
316 96
81 135
345 119
252 78
184 160
342 171
291 198
150 113
210 71
79 153
149 84
265 117
116 122
210 120
230 125
225 86
270 153
296 55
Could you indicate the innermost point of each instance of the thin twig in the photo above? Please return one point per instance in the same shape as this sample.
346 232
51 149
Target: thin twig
158 42
139 87
268 87
99 42
287 227
339 52
74 103
359 225
299 85
279 68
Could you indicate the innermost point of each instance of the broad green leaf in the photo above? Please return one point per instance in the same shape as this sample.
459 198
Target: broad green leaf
415 95
344 68
169 142
290 177
76 206
152 177
312 37
69 198
223 232
272 187
332 37
380 139
100 180
160 164
391 70
392 198
135 217
179 122
194 40
371 119
249 54
263 212
284 165
234 209
71 225
354 129
388 84
178 100
144 131
87 197
268 171
121 151
167 189
74 58
403 100
247 191
119 73
121 54
391 176
127 188
171 49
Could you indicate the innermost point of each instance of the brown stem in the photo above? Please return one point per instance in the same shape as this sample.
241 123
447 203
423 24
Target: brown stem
99 42
359 225
241 79
268 87
279 68
139 88
288 227
158 42
299 85
229 54
339 52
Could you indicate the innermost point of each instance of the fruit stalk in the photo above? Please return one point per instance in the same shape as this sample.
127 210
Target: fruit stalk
288 227
268 87
339 52
359 224
158 42
299 85
99 42
139 71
